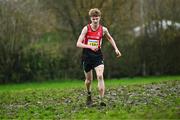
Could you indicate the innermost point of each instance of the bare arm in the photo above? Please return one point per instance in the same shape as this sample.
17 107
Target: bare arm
80 44
111 40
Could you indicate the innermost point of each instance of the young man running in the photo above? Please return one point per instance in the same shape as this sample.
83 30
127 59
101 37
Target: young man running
90 40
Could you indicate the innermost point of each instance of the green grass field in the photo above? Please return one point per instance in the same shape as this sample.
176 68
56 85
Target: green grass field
126 98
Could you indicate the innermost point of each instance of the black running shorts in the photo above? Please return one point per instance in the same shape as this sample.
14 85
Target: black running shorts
91 64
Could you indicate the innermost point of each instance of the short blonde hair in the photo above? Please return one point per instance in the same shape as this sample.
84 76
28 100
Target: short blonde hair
94 12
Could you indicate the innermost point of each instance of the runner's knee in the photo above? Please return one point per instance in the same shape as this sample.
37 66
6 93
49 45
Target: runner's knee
99 76
88 80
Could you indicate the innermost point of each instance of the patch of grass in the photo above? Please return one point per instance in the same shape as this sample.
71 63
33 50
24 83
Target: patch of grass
127 98
141 80
59 84
64 84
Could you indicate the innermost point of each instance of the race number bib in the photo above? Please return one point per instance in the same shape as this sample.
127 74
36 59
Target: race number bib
93 42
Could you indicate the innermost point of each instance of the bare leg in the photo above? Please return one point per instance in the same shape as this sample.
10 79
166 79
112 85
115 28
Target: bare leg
101 86
89 78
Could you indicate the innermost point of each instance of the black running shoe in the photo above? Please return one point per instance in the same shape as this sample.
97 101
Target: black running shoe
102 104
89 101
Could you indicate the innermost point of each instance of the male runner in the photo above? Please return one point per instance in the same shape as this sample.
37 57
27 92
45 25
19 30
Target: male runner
90 40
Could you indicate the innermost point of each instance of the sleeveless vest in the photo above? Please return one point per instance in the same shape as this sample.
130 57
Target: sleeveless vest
93 38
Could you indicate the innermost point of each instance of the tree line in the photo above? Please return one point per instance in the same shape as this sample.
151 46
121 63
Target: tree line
38 38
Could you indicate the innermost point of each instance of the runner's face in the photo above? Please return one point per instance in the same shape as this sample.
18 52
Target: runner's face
95 19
